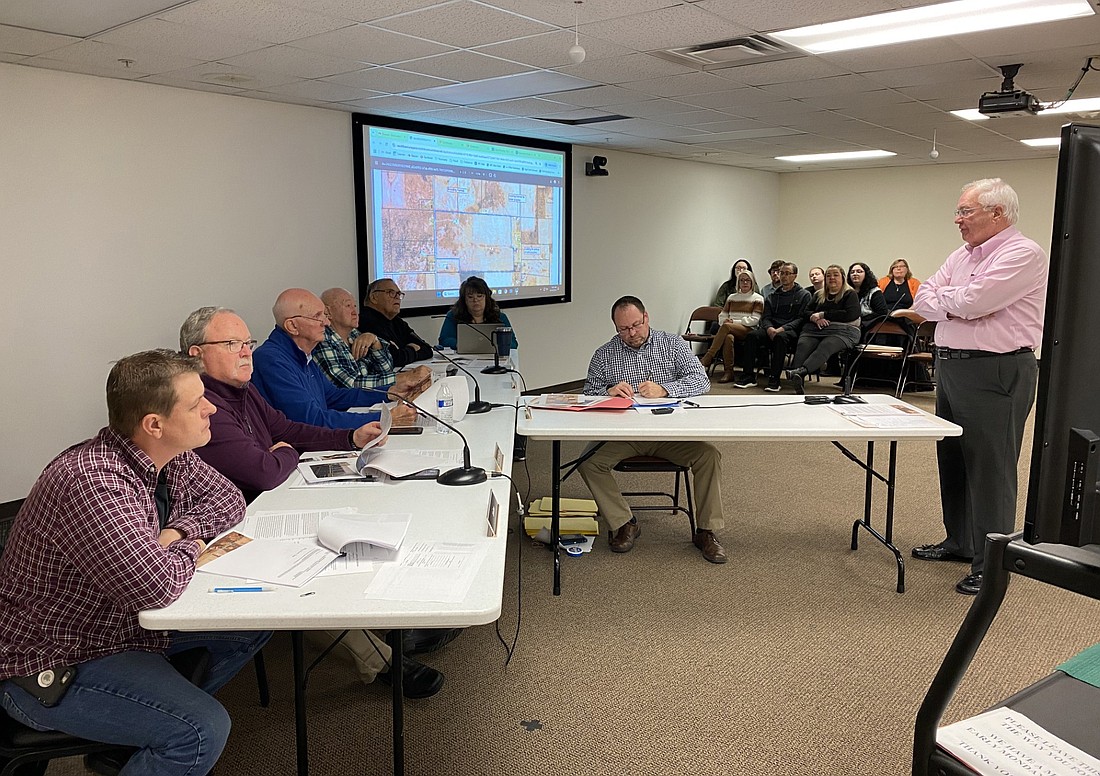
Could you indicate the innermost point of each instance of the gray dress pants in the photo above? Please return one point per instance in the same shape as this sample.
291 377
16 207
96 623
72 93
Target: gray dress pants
991 399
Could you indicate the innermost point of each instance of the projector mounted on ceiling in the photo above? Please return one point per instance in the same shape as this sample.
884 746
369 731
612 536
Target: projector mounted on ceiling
1009 101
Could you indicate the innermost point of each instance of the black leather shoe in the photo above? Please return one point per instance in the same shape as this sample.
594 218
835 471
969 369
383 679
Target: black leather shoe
971 584
938 552
417 679
421 640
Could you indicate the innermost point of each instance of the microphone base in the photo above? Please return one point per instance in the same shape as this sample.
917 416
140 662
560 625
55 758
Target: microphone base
478 407
495 370
847 398
462 476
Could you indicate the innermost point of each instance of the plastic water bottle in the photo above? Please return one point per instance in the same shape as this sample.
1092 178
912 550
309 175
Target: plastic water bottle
444 407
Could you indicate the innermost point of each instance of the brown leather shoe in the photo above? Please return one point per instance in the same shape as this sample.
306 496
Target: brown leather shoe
623 539
709 546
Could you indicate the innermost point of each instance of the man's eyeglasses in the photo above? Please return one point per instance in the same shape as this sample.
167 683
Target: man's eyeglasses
233 346
966 212
631 327
320 317
393 293
785 272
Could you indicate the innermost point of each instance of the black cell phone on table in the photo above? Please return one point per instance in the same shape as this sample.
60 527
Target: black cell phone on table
406 429
661 410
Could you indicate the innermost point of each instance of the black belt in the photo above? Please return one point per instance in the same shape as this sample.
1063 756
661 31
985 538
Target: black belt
956 353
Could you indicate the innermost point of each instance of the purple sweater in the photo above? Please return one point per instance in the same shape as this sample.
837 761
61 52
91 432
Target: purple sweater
243 430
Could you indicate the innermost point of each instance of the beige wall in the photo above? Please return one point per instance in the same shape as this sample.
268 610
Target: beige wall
876 216
124 206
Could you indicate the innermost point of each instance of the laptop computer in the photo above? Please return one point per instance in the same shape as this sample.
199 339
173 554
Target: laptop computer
476 338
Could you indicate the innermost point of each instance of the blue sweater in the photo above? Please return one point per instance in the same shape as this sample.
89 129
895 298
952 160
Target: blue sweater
296 386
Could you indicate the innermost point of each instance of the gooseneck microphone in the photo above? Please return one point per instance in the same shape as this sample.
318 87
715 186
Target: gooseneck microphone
461 475
477 406
501 336
846 396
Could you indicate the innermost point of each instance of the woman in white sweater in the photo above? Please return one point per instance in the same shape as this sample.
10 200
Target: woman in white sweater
739 316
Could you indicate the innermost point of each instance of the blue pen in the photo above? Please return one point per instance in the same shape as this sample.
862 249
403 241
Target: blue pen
245 589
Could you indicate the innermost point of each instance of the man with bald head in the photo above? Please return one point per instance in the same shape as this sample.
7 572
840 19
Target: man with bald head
381 316
288 377
354 359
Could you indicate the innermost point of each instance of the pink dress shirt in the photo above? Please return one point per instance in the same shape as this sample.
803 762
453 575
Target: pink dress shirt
989 297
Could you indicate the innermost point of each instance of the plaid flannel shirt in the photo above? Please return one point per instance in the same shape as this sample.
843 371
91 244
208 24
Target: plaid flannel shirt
374 370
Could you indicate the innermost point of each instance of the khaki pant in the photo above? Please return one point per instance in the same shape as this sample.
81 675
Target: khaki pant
366 649
702 458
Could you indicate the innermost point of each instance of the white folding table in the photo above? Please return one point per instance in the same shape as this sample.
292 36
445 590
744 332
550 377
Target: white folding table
743 418
440 513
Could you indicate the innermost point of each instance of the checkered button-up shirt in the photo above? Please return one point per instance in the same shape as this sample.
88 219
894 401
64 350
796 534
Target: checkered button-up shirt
665 359
82 558
374 370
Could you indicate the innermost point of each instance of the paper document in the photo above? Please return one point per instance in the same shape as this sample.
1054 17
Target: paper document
663 401
884 415
575 402
1003 742
429 571
291 563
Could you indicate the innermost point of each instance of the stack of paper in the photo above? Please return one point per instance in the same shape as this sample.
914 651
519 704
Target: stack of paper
578 515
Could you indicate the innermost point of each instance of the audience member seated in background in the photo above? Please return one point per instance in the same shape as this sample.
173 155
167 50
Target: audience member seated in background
740 315
777 332
113 526
380 316
290 380
256 447
832 327
872 302
730 286
354 359
475 305
817 279
899 287
776 281
652 364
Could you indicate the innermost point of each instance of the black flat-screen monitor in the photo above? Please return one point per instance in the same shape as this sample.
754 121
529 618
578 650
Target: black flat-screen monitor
435 205
1062 491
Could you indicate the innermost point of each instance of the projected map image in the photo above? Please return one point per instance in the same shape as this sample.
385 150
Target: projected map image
440 228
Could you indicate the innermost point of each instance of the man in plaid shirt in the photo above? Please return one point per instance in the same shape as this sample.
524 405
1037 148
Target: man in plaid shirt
113 526
652 364
354 359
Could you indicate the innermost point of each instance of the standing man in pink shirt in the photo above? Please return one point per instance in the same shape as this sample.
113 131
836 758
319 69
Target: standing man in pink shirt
988 300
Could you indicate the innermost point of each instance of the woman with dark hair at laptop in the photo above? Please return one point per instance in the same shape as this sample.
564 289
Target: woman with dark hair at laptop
475 305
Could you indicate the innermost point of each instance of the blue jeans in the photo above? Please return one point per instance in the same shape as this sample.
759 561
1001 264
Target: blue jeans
138 699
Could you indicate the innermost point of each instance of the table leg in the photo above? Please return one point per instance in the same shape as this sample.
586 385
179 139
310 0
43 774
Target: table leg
555 516
396 639
865 523
301 737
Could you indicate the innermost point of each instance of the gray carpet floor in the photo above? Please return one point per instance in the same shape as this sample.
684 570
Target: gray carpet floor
797 657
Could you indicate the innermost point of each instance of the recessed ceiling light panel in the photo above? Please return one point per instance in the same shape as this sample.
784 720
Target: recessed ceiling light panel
930 21
837 157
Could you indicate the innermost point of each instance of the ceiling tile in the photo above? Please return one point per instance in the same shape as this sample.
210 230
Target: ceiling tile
596 95
551 49
678 25
294 61
930 74
561 12
462 66
218 73
358 10
181 40
732 99
387 79
16 40
781 71
108 58
527 106
914 54
464 24
680 85
322 91
77 18
837 84
370 44
632 67
269 22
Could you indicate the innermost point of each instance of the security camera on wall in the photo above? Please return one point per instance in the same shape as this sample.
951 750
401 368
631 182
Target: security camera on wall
596 166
